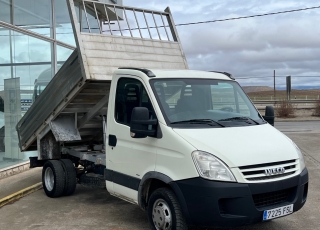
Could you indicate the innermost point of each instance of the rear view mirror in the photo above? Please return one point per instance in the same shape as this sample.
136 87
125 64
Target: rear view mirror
140 123
269 115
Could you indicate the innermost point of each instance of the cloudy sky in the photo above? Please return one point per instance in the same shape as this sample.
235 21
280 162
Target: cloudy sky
249 48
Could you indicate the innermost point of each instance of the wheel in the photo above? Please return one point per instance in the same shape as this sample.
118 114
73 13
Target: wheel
53 178
164 211
70 175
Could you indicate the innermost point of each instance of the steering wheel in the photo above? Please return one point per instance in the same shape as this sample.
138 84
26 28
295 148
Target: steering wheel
227 109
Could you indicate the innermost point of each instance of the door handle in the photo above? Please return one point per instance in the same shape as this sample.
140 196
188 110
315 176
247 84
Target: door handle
112 140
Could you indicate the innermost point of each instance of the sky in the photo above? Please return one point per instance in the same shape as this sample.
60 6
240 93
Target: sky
249 48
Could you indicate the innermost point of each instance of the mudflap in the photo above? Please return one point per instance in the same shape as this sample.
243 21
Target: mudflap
92 180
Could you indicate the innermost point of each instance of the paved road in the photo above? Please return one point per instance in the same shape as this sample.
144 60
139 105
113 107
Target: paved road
298 126
96 209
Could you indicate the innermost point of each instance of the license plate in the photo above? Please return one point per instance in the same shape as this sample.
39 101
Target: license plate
277 212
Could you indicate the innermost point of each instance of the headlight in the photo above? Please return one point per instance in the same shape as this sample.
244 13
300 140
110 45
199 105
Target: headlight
301 159
211 168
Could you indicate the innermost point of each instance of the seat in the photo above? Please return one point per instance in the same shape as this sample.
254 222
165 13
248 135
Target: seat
183 103
161 94
132 99
191 99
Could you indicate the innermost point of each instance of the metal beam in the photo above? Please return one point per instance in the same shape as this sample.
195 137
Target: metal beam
35 35
54 67
175 34
30 63
293 101
124 7
93 111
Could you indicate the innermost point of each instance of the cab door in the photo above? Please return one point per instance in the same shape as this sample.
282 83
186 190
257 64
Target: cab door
129 158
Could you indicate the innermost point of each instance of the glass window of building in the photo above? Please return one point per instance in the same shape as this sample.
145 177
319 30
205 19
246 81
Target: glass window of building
28 61
63 26
34 15
5 12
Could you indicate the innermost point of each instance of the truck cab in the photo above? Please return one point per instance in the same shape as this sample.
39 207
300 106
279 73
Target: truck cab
195 138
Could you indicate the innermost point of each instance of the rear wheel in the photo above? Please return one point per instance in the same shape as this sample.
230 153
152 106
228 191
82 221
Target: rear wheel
164 211
53 178
70 175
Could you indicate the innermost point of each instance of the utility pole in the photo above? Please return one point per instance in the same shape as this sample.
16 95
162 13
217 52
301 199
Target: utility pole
274 84
288 83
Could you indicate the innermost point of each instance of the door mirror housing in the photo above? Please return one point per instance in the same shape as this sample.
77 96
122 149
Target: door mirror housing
269 115
140 124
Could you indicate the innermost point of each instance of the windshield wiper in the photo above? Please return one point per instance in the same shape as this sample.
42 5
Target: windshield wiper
199 121
240 119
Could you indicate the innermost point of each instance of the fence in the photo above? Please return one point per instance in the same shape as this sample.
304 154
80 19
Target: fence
271 98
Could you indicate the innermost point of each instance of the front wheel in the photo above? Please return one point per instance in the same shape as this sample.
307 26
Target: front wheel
164 211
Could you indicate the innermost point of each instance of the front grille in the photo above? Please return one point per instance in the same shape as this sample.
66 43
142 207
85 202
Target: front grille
272 198
269 177
258 172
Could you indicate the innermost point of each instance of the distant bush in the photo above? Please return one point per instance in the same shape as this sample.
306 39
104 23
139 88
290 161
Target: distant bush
284 109
316 111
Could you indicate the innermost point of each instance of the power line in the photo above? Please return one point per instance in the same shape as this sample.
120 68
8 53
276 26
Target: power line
211 21
277 77
216 20
250 16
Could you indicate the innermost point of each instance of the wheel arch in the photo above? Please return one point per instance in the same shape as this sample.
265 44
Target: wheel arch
154 180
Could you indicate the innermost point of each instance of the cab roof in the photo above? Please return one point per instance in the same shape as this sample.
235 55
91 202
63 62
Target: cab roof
160 73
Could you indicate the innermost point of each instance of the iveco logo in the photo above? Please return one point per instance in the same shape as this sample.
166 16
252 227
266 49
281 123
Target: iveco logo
274 171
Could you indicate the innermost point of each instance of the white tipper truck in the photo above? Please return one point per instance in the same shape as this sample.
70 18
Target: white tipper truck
189 147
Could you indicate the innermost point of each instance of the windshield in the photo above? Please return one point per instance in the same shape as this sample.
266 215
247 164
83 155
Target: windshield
204 102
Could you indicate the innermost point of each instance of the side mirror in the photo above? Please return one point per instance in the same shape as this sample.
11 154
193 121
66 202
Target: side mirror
269 115
140 123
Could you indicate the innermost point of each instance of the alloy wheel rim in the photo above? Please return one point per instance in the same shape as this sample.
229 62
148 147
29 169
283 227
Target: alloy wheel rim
49 179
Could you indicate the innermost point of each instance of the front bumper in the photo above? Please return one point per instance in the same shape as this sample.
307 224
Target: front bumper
222 204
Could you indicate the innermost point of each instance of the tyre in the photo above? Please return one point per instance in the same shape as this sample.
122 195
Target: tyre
70 175
164 211
53 178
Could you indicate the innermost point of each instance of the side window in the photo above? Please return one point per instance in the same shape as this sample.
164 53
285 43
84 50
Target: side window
130 93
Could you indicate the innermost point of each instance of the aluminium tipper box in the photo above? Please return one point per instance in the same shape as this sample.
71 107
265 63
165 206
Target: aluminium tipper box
78 93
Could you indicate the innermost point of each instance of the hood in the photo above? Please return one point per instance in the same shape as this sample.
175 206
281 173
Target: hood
240 146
